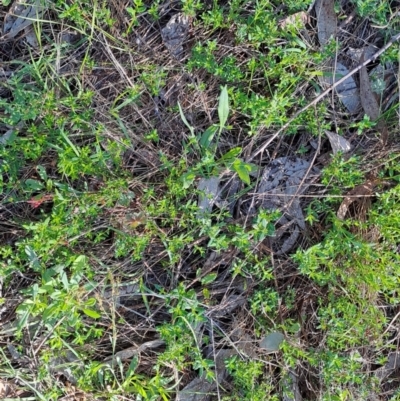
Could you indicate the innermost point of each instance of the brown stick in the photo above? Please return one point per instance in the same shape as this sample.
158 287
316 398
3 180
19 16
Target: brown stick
322 95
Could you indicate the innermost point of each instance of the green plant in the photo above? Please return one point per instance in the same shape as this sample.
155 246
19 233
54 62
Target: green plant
249 380
342 172
104 249
208 165
182 335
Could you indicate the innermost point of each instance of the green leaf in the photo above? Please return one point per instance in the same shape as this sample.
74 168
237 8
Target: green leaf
73 147
242 169
132 367
42 172
184 119
33 185
91 313
32 256
64 280
209 278
90 302
223 107
229 156
187 179
23 320
208 136
79 263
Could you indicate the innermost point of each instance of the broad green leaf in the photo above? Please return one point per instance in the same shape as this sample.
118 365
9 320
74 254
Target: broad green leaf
223 107
242 169
209 278
208 136
243 175
64 280
91 313
51 311
132 367
48 274
34 185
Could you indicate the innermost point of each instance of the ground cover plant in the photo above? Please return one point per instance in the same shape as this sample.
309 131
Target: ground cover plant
199 200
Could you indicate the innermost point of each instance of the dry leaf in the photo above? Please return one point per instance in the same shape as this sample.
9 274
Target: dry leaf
290 383
359 192
292 19
30 37
175 33
210 194
347 91
392 364
338 143
7 389
22 14
326 20
369 102
356 54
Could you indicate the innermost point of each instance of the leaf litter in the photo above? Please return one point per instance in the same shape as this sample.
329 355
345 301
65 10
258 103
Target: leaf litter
22 15
326 20
338 143
369 102
348 92
175 33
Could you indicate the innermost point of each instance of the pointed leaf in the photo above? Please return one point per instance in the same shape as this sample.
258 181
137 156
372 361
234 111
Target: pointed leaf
242 169
208 136
209 278
91 313
229 156
32 256
223 107
191 129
